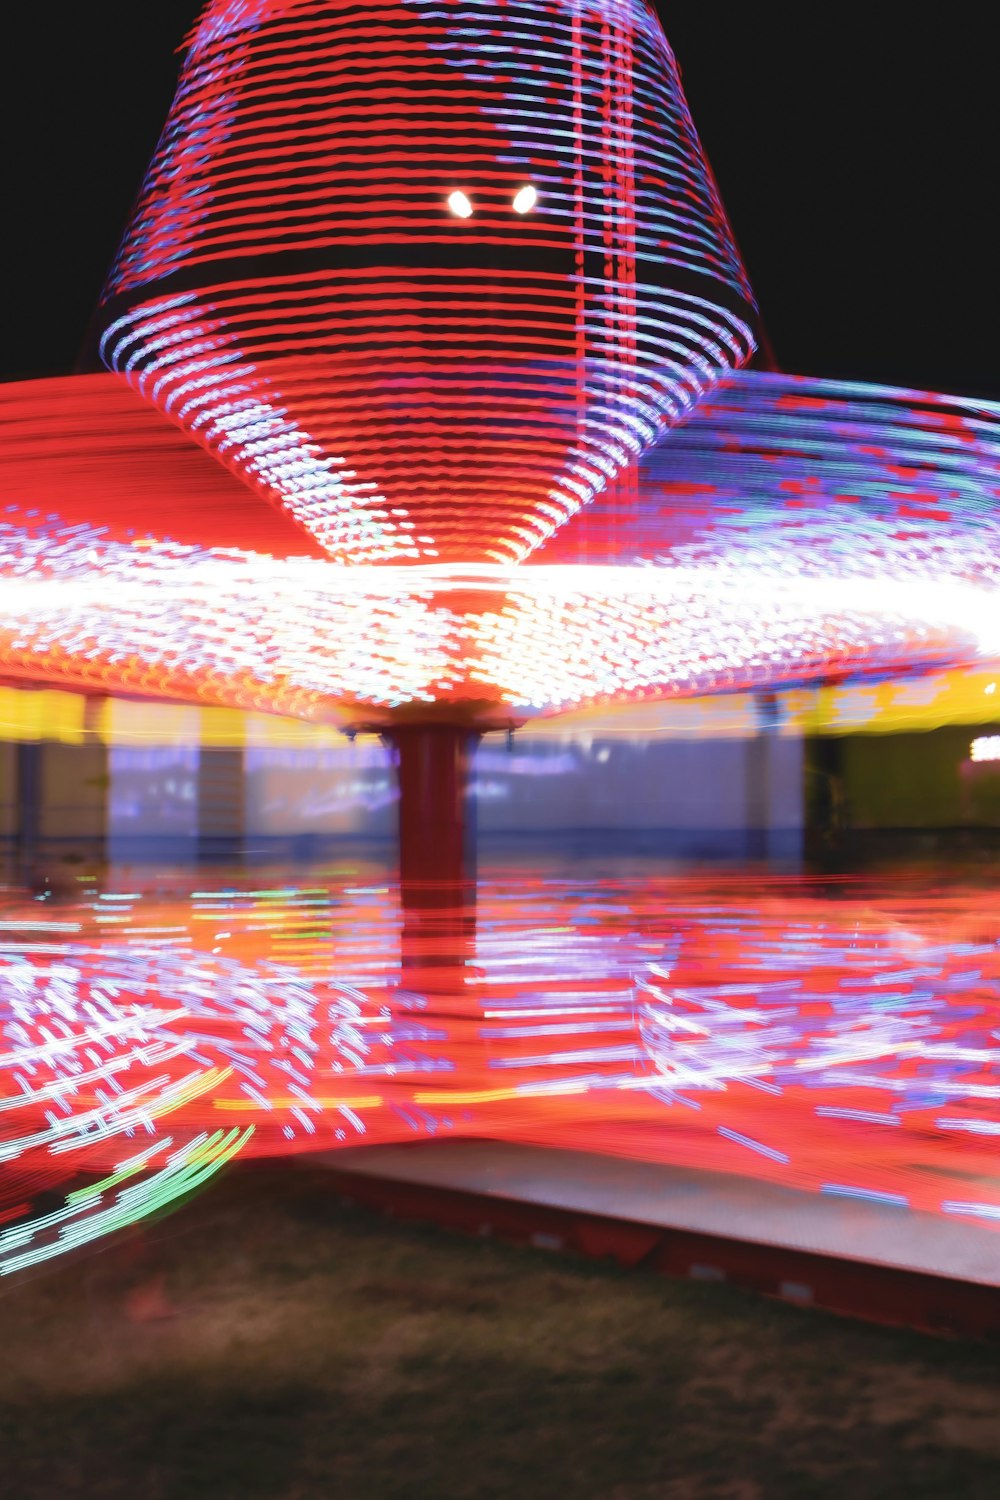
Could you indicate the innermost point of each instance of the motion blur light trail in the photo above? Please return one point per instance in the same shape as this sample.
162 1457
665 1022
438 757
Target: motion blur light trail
426 415
425 276
846 1042
426 398
793 530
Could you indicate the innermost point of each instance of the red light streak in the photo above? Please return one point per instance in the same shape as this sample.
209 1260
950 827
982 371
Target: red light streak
400 407
764 545
844 1046
367 227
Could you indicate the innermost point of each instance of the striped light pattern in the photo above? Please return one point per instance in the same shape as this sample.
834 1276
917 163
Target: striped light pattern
86 450
793 531
846 1046
429 274
312 641
814 478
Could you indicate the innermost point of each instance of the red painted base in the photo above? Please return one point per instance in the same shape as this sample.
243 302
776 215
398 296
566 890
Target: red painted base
437 867
877 1294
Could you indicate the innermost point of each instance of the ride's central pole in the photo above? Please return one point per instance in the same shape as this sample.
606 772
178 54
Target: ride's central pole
437 860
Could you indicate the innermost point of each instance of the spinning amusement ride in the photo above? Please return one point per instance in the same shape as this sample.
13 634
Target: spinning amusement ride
420 404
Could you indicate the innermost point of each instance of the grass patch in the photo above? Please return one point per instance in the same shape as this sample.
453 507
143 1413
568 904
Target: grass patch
265 1341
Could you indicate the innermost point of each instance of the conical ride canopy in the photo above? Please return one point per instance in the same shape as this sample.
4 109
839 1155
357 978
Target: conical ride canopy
429 275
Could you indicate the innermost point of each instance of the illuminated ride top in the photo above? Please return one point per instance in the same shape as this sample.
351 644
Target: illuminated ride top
423 403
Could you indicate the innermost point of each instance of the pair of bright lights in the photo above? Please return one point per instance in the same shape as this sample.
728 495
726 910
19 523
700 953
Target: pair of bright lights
523 202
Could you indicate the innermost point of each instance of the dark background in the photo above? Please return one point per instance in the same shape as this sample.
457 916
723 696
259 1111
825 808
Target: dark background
854 146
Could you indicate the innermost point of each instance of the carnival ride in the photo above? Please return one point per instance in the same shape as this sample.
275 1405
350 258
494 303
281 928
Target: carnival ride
424 411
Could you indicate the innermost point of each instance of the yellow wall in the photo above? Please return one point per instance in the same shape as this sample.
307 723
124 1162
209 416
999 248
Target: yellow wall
961 697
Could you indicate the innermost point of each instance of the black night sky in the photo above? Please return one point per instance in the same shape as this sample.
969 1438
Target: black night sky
854 146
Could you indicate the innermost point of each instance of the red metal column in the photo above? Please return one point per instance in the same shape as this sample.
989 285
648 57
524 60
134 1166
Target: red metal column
437 870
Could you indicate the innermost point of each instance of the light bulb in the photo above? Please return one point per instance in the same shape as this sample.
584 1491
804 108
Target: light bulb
460 204
525 199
